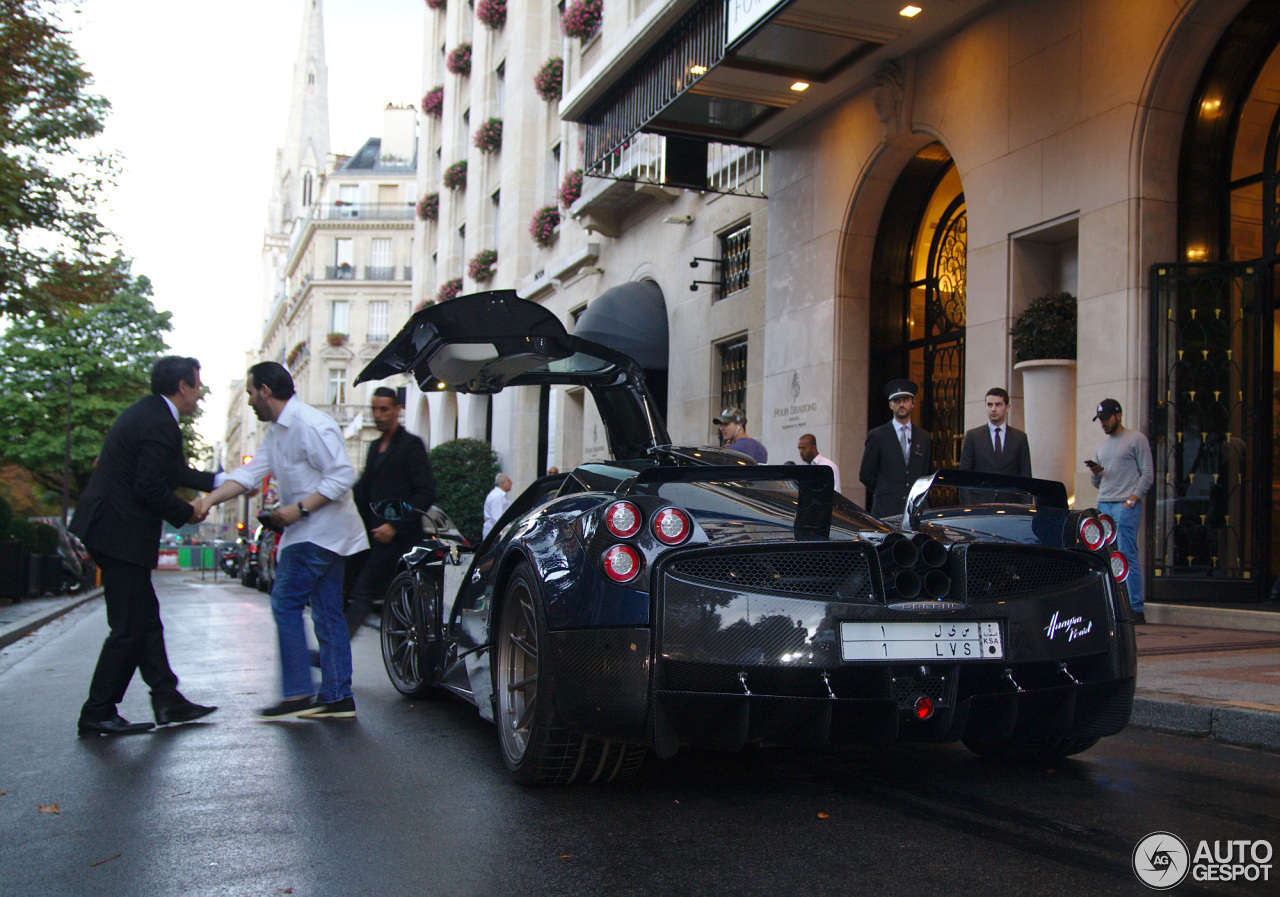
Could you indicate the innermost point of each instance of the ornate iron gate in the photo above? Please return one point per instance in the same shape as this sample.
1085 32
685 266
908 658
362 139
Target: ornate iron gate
1211 431
943 343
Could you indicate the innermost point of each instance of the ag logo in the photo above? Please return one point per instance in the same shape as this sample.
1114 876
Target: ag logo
1161 861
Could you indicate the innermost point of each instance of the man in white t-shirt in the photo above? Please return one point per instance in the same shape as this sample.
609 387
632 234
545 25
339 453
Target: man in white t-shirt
808 448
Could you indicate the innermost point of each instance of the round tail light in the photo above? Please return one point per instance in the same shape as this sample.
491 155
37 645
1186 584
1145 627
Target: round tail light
923 708
1091 533
621 563
1119 567
1108 528
672 526
622 519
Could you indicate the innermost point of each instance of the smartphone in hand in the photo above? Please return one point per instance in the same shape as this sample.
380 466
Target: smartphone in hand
1091 464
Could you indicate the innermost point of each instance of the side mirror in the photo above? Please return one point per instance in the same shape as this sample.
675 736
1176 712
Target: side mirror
393 509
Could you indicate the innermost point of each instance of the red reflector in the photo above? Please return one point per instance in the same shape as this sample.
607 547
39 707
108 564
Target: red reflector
671 526
621 563
923 708
1119 566
623 519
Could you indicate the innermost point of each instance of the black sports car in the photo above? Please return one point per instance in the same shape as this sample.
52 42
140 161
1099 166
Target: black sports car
685 596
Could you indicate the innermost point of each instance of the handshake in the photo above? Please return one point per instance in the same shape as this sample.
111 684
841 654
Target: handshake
200 508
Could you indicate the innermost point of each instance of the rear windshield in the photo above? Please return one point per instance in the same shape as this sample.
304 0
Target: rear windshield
761 509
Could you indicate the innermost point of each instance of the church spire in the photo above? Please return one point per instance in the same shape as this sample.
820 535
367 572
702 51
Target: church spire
300 160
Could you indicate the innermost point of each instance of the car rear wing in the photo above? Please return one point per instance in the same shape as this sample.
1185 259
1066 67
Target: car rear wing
1047 493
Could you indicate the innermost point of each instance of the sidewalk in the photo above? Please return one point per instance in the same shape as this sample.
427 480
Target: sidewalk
1202 671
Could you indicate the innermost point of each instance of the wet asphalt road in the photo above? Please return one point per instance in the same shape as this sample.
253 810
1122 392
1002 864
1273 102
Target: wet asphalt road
413 798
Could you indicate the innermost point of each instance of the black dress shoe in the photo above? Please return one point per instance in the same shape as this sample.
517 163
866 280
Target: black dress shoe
116 726
181 713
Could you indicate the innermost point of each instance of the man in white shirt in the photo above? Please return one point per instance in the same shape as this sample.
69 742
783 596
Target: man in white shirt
496 502
305 451
808 448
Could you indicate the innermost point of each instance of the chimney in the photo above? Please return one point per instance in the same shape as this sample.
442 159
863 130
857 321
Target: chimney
399 135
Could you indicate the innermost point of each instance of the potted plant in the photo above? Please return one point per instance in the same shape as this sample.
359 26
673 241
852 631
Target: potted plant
492 14
480 268
455 176
581 19
435 4
449 290
459 60
545 226
571 188
433 101
488 137
1044 352
549 80
428 207
336 339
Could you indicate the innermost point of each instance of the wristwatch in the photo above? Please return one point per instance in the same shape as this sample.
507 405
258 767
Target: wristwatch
1129 504
302 511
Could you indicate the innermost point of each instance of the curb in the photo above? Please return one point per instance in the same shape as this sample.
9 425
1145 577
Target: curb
21 629
1228 725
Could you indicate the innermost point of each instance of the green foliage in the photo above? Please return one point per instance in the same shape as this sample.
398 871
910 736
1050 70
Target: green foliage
464 470
1046 328
108 350
42 539
49 188
6 516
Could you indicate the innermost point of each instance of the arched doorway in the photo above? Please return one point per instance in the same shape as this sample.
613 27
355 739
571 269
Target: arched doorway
918 288
1215 523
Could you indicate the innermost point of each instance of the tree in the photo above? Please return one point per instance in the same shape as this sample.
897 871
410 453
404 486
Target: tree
108 350
464 470
50 236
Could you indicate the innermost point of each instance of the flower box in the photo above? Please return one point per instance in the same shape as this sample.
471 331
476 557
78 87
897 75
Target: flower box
455 176
545 226
449 290
433 101
581 19
549 80
488 137
480 268
429 207
571 187
492 14
459 60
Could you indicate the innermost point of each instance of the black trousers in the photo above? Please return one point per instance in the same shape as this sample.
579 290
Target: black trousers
377 569
136 641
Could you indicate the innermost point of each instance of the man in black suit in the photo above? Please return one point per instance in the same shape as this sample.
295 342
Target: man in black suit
119 518
996 447
896 453
397 468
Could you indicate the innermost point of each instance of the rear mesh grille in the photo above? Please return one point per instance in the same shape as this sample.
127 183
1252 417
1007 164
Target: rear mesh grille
997 572
841 574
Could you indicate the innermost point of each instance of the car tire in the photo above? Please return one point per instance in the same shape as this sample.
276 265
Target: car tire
249 579
1029 749
536 746
410 635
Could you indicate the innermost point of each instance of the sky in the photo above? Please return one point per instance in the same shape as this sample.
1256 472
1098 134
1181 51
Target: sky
199 96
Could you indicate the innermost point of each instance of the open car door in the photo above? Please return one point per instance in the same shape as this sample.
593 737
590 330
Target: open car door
484 342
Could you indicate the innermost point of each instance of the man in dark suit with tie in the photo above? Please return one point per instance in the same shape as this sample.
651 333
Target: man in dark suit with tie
996 447
896 453
119 519
397 468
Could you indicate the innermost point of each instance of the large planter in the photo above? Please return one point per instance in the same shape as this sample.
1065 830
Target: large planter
13 570
1049 411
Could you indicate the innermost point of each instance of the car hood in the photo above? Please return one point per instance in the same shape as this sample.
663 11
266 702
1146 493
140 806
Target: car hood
484 342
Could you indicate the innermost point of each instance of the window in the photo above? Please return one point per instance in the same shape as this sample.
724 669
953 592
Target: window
462 243
735 260
340 316
552 176
337 387
343 260
733 373
499 87
381 269
348 194
378 319
496 219
307 184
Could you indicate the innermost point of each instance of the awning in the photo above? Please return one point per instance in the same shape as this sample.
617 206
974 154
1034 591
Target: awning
630 318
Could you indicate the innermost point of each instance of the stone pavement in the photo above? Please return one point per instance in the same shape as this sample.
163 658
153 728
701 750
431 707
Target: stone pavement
1202 671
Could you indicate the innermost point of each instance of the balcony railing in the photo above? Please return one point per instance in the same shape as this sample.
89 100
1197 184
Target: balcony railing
368 210
372 272
340 272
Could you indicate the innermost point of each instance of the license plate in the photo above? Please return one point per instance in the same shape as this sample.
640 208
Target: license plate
971 640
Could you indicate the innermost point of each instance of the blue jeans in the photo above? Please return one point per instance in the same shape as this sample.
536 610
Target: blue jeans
308 574
1127 535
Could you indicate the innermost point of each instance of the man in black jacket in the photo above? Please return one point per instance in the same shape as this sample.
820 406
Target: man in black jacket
896 453
119 519
397 467
996 447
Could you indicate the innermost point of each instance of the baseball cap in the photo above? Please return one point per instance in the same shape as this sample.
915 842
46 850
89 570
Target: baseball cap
1107 407
730 414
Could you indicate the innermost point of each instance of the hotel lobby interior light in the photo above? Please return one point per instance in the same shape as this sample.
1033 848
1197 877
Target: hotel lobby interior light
698 70
799 86
909 11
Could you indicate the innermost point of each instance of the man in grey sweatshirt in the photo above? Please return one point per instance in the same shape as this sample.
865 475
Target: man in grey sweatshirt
1122 473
